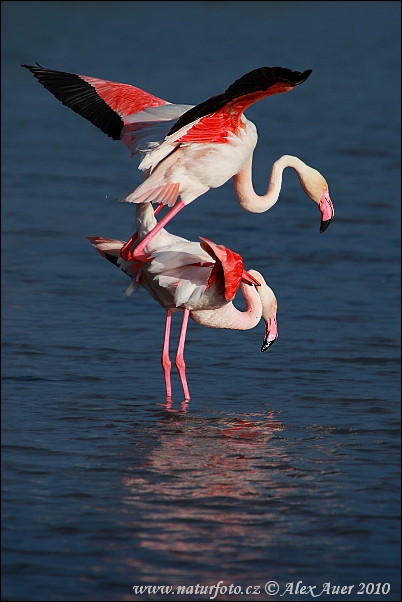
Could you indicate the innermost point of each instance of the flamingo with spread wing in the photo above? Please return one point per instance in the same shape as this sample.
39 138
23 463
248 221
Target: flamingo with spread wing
186 150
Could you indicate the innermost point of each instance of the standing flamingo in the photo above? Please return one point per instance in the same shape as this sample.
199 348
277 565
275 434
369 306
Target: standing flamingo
186 150
199 279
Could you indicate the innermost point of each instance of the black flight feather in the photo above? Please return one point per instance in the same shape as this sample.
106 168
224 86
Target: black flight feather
81 97
254 81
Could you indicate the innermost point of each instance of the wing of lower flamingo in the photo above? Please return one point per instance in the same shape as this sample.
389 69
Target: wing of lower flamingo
230 262
182 268
107 247
110 250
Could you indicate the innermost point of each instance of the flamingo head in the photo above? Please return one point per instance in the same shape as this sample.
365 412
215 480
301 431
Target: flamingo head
316 187
271 332
327 210
269 309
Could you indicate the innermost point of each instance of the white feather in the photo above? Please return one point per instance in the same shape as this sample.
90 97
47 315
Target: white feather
166 112
134 286
177 255
154 124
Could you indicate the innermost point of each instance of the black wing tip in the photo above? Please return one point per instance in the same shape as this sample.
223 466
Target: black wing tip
30 68
261 78
74 92
305 75
37 68
268 76
294 77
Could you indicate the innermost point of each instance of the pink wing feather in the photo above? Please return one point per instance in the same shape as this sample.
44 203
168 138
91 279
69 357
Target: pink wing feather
232 265
124 99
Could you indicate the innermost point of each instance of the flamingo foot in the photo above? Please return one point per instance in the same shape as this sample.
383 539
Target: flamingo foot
125 251
138 255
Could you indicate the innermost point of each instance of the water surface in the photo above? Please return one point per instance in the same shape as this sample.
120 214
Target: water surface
284 466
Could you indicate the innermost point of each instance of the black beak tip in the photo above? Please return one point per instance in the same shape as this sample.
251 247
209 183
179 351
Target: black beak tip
325 225
267 344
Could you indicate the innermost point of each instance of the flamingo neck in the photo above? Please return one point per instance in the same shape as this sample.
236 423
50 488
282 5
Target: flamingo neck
145 219
229 316
250 200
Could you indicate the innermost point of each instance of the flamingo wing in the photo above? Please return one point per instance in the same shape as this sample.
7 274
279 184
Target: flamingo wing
107 247
227 260
213 119
110 250
145 122
104 103
183 269
146 130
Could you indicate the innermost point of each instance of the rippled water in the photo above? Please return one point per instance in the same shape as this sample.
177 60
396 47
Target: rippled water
284 465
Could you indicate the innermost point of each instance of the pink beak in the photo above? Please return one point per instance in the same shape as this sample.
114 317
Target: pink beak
271 333
327 210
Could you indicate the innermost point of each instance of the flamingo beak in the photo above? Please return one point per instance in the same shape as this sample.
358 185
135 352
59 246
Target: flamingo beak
271 332
327 210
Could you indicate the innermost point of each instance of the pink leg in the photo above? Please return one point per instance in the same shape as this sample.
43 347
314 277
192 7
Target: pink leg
166 363
181 366
125 252
137 254
158 208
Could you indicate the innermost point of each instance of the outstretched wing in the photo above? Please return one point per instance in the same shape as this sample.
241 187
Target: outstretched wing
213 119
145 122
146 130
104 103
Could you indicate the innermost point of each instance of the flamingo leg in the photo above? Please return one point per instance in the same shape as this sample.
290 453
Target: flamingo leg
181 366
125 252
158 208
166 363
138 254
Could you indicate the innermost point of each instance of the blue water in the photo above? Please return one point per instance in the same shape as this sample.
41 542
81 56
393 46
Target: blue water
284 466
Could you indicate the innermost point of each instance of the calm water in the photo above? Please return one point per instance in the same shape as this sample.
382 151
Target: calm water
285 465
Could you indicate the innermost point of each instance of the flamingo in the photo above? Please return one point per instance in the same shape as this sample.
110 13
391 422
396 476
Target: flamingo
186 150
198 279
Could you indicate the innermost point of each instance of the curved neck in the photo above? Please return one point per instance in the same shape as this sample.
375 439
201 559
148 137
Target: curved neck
145 219
249 200
229 316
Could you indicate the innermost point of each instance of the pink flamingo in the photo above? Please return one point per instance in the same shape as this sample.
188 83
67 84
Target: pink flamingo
186 149
198 279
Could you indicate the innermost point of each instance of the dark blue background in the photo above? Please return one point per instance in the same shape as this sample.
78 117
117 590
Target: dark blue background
285 465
